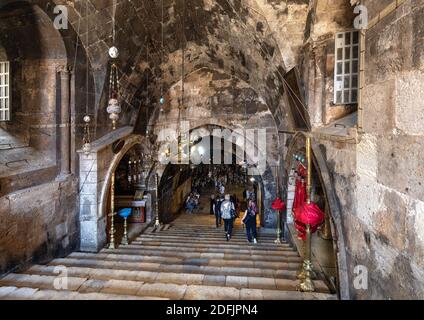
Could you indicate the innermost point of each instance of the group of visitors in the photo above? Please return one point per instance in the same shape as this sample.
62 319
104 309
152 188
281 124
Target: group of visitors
192 201
227 208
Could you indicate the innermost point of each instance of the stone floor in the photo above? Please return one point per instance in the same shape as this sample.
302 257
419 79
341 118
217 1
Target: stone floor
188 260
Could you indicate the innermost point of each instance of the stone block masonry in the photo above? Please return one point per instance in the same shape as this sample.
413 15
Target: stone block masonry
38 224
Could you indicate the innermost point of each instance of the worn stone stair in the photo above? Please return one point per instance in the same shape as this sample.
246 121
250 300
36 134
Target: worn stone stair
189 259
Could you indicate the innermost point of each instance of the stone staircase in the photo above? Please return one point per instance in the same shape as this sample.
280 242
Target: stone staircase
189 260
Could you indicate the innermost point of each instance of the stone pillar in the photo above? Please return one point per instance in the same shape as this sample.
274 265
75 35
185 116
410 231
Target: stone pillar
65 143
92 226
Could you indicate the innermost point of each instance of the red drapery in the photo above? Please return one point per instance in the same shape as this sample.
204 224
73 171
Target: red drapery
308 214
299 195
278 205
305 213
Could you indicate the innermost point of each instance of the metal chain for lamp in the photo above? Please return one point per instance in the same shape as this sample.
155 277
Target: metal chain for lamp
113 109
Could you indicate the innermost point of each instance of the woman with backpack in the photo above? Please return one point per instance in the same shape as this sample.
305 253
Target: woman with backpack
249 220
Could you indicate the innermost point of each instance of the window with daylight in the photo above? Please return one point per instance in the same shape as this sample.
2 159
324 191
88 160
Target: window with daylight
4 91
346 79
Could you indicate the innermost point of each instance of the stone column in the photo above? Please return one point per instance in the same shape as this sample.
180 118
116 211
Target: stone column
65 149
92 224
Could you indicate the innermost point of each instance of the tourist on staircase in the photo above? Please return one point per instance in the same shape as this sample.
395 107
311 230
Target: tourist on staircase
249 220
222 189
217 210
212 211
228 214
190 203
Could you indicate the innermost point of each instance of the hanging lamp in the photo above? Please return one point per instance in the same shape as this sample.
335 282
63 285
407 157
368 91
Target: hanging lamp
86 140
114 105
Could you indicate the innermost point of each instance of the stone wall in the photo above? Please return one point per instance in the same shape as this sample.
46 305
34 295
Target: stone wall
172 195
389 157
38 224
379 180
38 213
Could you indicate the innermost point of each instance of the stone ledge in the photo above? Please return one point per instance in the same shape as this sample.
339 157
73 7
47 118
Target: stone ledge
109 138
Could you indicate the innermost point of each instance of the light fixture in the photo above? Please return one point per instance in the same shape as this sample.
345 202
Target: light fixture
113 52
86 143
114 107
86 139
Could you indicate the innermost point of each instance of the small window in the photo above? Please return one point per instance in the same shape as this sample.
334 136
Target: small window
346 68
4 91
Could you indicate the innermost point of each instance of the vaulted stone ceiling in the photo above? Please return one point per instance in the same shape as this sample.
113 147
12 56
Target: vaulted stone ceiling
231 35
255 41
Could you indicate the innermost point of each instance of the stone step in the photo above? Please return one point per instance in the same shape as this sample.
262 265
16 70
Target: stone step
176 268
23 293
216 245
179 278
183 258
234 255
215 231
207 249
288 264
218 236
139 288
218 233
205 240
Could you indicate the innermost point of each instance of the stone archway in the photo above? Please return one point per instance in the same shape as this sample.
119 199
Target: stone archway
264 173
95 180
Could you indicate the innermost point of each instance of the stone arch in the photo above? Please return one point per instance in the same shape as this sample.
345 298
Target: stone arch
335 210
267 179
130 142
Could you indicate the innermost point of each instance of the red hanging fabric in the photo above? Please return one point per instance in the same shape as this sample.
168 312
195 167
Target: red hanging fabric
278 204
308 214
300 194
301 170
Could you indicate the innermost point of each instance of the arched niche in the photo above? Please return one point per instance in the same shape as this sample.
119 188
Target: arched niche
321 177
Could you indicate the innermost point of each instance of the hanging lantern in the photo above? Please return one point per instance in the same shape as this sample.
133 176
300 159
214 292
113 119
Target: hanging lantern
114 107
86 147
114 52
